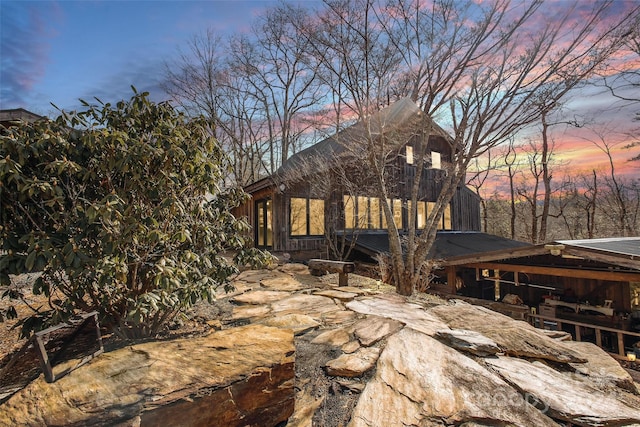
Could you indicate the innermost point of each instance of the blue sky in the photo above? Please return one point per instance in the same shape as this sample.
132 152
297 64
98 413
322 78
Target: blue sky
60 51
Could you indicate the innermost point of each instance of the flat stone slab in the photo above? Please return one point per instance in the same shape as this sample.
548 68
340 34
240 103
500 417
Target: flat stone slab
600 368
566 398
339 317
239 376
337 294
294 268
334 337
311 305
353 290
374 328
298 323
239 287
514 337
245 312
393 307
557 335
260 297
282 282
255 276
350 347
421 382
469 341
354 364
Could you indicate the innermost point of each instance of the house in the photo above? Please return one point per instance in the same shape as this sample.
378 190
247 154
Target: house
321 199
11 117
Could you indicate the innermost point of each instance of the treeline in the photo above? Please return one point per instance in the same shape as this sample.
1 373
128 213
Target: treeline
581 206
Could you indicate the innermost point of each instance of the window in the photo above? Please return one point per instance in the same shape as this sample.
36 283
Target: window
316 217
349 212
362 210
446 218
365 212
424 209
422 215
298 216
264 230
374 213
409 154
306 217
397 212
436 160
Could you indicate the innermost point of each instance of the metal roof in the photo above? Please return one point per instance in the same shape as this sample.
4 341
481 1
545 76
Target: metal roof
461 247
615 245
392 118
448 243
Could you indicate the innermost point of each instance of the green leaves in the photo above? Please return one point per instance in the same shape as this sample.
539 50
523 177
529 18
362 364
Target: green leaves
127 216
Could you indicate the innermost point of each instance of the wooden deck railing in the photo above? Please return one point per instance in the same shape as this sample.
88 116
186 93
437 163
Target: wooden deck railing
538 321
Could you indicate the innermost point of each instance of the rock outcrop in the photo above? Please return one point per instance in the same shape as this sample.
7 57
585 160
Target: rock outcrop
364 357
237 377
514 337
422 382
567 398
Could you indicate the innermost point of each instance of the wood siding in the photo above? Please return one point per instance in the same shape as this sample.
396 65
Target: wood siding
465 204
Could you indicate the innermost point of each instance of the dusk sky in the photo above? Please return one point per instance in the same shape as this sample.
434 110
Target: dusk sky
60 51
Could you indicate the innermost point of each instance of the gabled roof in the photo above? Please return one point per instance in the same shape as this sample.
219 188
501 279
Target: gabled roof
389 119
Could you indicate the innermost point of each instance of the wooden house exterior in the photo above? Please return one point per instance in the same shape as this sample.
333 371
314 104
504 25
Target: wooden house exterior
309 201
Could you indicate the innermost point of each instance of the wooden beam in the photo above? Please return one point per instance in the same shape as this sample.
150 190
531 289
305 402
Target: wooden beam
615 276
332 266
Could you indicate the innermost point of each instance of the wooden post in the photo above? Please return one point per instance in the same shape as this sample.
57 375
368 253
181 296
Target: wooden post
621 351
598 337
451 279
578 334
343 279
319 267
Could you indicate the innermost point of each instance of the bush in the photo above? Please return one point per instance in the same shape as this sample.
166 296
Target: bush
124 210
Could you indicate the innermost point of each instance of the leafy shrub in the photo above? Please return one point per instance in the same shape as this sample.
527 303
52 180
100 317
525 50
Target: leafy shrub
124 210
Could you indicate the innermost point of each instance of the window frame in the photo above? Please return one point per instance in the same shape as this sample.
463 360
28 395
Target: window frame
306 217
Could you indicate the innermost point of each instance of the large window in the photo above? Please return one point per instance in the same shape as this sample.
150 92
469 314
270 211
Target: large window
350 214
424 210
366 212
306 217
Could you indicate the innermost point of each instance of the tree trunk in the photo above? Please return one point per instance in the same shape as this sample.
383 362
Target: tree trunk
546 180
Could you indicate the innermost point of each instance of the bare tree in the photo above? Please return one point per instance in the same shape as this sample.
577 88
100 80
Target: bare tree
619 198
482 170
195 78
274 62
622 78
474 65
201 82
